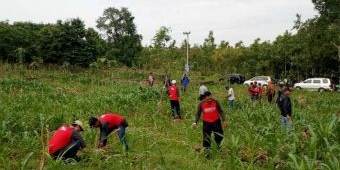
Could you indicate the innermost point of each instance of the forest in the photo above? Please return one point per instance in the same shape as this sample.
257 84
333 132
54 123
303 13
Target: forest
310 49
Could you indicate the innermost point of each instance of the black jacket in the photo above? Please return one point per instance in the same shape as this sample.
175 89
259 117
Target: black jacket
285 105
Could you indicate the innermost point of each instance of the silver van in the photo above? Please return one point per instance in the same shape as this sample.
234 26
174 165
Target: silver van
315 84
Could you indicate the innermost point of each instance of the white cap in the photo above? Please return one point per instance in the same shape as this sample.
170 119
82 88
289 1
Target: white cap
173 82
79 123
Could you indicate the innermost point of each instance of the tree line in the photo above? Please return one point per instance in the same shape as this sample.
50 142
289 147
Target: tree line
310 48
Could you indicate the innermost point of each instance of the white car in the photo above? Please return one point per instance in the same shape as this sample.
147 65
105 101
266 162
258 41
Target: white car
259 79
315 84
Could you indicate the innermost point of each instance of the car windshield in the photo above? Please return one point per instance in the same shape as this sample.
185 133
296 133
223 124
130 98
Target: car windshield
260 78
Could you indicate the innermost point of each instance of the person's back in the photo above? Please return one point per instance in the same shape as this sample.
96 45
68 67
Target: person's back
66 141
185 81
284 104
60 139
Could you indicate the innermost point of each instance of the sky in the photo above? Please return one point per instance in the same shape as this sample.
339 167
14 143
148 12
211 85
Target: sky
230 20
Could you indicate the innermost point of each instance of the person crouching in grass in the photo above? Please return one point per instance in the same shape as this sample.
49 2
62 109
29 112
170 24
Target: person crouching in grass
109 123
66 141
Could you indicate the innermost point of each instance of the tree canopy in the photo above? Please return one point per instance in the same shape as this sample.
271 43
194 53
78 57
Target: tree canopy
311 48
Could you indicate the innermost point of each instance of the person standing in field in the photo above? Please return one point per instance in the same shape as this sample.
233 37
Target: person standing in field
285 105
66 141
166 81
151 79
185 82
107 124
255 91
230 96
174 97
280 92
250 91
202 90
270 91
212 116
260 92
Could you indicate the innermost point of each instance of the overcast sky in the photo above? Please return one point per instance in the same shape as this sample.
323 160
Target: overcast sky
230 20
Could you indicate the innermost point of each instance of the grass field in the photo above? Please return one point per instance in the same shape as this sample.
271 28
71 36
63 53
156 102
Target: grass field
33 103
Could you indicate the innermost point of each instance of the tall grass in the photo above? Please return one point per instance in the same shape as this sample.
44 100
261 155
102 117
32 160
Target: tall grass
34 103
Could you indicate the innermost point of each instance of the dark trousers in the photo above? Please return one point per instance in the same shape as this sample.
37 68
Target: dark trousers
69 151
175 108
121 134
216 128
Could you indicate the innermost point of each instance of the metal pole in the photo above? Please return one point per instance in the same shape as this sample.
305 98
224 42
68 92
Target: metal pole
187 33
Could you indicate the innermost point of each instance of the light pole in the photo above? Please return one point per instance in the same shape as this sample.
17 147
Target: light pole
187 33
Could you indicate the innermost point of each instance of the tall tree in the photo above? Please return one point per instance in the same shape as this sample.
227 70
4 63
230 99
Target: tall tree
209 44
121 34
162 37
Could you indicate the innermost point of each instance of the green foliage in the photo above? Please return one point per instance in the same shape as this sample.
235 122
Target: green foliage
121 34
311 50
33 108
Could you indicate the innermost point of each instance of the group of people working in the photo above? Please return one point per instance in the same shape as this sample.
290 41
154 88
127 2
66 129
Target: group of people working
66 141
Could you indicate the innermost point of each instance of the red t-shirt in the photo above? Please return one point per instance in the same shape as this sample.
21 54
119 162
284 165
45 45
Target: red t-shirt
173 92
210 112
113 119
60 139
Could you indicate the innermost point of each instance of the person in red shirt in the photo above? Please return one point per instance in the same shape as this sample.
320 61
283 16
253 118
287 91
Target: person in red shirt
212 116
260 91
66 141
251 91
108 123
173 93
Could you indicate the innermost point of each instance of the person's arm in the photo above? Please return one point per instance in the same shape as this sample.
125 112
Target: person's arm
104 131
289 108
222 115
229 93
77 138
198 113
197 116
220 111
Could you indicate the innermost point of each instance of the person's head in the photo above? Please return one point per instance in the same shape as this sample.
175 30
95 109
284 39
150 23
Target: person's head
227 87
78 125
260 84
208 97
173 82
286 91
94 122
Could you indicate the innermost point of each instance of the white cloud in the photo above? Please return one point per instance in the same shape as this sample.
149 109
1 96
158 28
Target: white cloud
230 20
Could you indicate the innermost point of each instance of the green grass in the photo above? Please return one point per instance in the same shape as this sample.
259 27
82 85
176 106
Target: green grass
33 103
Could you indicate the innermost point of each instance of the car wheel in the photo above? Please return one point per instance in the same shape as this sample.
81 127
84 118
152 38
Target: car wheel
321 90
298 87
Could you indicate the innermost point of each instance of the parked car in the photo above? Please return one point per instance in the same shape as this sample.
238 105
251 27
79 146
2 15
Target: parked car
315 84
259 79
236 78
